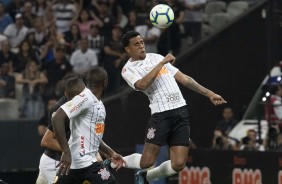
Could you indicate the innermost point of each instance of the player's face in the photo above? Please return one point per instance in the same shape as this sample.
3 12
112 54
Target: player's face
136 48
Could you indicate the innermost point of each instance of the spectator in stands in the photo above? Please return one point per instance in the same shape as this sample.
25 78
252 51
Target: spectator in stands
228 122
15 7
25 55
6 56
65 13
122 19
31 104
47 50
28 16
106 17
49 17
84 58
72 37
250 142
279 142
85 20
39 31
7 82
16 32
43 122
39 8
96 42
2 38
53 31
220 141
30 39
170 39
273 108
271 141
55 70
5 18
150 35
132 21
193 18
114 56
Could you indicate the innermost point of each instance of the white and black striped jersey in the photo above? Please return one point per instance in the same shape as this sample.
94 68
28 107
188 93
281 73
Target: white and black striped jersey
64 14
164 93
87 116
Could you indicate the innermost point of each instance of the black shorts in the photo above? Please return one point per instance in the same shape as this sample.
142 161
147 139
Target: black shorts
169 127
96 173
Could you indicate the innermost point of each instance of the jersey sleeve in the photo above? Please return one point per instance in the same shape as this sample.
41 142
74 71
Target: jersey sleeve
130 76
173 70
77 105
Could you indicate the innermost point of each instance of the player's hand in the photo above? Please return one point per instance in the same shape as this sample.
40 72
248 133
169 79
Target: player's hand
169 58
217 99
118 161
65 163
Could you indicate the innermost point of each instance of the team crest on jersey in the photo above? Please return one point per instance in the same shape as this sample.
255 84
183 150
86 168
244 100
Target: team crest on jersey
104 174
86 182
151 133
69 105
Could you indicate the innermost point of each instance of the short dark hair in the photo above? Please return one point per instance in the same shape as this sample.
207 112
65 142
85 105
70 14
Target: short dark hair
95 76
71 85
127 36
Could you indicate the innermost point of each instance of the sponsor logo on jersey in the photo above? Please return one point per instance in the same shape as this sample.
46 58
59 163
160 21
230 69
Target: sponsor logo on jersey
172 97
151 133
104 174
78 105
162 71
100 127
82 150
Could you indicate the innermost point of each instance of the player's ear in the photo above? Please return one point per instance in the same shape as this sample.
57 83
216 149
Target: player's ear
66 95
105 83
126 49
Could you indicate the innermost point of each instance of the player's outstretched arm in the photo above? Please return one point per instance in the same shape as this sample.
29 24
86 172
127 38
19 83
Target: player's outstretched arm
59 129
115 158
190 83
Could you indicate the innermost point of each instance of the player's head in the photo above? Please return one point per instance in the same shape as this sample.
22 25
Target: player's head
134 45
96 78
73 86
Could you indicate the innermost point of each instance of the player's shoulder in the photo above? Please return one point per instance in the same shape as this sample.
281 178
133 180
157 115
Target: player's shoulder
154 56
87 96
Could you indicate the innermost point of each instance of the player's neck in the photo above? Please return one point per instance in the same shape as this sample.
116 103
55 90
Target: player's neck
98 92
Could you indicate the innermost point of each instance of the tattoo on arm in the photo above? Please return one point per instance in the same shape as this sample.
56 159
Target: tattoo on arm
193 85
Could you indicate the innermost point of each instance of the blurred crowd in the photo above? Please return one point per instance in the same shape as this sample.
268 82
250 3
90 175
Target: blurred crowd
43 40
251 141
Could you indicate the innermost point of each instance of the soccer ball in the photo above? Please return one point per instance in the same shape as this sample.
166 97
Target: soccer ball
161 16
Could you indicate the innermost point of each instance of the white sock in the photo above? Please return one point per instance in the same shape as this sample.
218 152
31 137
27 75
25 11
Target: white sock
132 161
161 171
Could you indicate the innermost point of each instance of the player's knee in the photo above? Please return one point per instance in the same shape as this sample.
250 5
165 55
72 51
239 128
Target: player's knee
178 166
146 164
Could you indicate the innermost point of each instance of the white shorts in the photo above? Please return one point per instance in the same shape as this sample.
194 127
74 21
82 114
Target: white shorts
47 170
